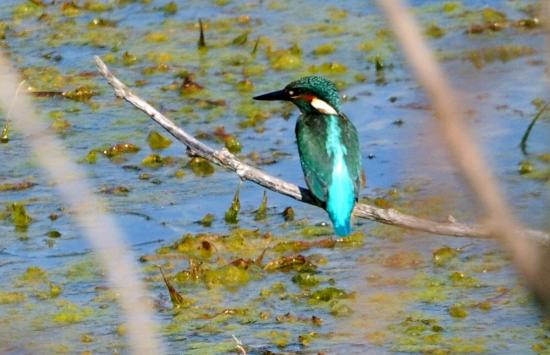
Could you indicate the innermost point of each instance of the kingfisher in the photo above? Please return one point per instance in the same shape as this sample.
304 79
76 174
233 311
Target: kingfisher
328 146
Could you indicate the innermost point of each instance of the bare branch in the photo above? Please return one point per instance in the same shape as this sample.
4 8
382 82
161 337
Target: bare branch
501 221
246 172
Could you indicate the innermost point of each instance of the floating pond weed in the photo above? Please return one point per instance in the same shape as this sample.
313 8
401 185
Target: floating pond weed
278 280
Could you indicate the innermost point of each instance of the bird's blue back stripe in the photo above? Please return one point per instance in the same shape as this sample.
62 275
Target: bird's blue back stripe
341 196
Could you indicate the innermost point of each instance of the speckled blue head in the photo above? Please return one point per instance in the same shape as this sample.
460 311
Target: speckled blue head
312 94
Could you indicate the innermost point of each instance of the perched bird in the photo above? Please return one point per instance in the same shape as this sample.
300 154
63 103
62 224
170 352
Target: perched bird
328 145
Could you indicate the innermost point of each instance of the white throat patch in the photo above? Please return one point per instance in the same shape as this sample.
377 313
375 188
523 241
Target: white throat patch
323 107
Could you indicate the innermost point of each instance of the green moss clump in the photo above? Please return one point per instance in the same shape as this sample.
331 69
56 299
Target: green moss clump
232 213
70 9
458 311
254 113
254 70
462 280
91 157
305 280
19 216
340 309
118 190
86 338
241 39
145 176
45 78
434 31
180 173
328 294
261 213
229 276
324 49
442 256
278 338
504 53
83 271
153 161
491 15
157 141
297 263
526 167
232 144
97 6
27 9
485 306
69 313
53 291
129 59
288 214
7 297
120 148
156 37
403 260
3 29
200 166
336 14
195 246
5 134
171 8
328 68
81 94
19 186
245 86
285 59
60 124
207 220
354 240
33 275
451 6
316 231
101 22
53 234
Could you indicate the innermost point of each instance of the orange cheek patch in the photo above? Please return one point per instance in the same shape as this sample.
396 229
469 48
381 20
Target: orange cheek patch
307 97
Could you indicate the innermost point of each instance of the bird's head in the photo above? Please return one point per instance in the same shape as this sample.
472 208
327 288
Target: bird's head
312 94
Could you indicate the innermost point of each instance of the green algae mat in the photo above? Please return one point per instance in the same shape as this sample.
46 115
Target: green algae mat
223 258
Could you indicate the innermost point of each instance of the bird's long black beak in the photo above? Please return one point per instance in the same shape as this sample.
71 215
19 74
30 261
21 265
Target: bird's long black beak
275 95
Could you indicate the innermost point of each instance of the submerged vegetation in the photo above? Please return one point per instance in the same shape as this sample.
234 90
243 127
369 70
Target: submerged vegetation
220 257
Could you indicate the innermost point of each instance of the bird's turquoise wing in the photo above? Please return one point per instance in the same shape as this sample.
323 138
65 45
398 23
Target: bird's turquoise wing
316 163
353 159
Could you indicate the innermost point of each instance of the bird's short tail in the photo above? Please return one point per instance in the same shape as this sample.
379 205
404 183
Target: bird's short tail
340 201
339 208
342 230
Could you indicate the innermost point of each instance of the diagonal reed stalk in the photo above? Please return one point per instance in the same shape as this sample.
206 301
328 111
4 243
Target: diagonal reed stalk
88 211
467 156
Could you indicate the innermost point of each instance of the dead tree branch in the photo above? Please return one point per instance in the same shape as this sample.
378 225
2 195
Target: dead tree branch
246 172
501 221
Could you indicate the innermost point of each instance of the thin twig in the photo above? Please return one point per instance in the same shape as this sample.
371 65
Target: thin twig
239 344
501 222
246 172
523 143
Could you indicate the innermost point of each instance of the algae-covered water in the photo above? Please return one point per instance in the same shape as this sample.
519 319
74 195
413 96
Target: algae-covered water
270 276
